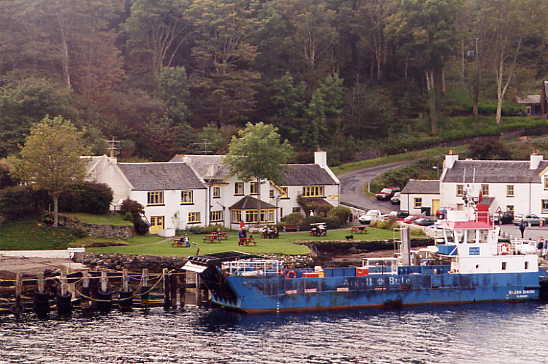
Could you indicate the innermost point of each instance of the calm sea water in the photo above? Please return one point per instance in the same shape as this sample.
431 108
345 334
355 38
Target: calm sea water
479 333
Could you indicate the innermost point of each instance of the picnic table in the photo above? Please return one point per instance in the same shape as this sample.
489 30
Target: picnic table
360 229
180 243
221 235
247 241
212 238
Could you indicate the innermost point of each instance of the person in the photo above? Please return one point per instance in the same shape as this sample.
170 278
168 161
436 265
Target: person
186 241
522 226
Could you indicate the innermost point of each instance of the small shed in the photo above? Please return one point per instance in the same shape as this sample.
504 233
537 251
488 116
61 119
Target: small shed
420 196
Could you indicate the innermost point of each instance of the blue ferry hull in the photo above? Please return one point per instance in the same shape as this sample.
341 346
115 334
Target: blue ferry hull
341 290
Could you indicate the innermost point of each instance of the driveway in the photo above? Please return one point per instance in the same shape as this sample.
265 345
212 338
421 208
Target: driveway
352 187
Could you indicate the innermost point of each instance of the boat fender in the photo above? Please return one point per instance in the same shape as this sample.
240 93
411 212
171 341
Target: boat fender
291 274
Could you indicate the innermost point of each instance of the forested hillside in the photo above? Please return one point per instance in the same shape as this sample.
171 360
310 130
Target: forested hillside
162 75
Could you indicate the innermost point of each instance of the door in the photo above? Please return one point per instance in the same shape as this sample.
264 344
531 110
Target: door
156 224
435 206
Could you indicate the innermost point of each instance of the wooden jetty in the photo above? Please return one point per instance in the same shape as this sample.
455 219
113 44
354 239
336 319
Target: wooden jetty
101 291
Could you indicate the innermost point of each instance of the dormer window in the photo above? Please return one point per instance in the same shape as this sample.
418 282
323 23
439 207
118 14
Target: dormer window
485 190
460 190
186 197
509 190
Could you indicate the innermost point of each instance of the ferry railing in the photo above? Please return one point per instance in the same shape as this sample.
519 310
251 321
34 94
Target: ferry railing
252 267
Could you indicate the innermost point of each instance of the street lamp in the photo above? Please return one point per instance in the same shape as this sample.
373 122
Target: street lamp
437 170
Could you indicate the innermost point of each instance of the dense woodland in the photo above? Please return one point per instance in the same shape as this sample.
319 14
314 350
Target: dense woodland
162 75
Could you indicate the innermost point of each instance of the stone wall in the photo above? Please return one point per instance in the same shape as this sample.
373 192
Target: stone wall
99 231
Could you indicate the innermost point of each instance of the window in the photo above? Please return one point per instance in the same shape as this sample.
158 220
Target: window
271 194
236 216
193 217
503 266
296 209
155 198
254 188
510 208
460 190
313 191
485 190
239 188
284 193
526 266
186 197
417 202
216 192
545 206
509 190
216 216
460 207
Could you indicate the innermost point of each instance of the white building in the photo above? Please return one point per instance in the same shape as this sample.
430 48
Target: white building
420 196
199 190
518 186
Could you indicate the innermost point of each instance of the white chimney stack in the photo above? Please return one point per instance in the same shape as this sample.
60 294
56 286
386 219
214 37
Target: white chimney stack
450 159
535 160
320 158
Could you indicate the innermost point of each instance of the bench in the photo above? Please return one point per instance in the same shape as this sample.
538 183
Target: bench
359 229
291 227
247 241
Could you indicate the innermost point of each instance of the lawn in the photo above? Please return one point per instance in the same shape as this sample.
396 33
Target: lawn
29 235
115 219
285 244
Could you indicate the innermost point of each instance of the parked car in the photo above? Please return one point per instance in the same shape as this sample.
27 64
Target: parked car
370 216
504 218
531 219
387 193
425 221
395 200
411 218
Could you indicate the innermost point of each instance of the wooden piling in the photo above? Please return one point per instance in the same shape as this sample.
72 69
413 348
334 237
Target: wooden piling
86 292
104 295
174 279
144 289
166 280
197 292
182 288
18 309
40 302
64 304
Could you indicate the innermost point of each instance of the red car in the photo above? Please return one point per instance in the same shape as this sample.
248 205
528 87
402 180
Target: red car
387 193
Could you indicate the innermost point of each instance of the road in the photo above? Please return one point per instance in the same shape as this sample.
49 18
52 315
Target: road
352 186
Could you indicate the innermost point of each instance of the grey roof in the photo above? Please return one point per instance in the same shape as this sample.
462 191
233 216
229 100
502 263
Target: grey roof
496 171
423 186
213 167
305 175
206 166
160 176
251 203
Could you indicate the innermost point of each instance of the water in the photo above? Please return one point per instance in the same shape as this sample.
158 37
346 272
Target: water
479 333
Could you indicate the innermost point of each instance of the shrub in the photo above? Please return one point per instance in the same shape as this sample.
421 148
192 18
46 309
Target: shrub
341 213
140 226
206 229
20 201
89 197
132 208
294 218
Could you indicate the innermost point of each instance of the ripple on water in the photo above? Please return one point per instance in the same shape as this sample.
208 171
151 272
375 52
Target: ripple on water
482 333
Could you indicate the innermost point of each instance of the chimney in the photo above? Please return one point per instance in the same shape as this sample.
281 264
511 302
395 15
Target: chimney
320 158
535 160
450 159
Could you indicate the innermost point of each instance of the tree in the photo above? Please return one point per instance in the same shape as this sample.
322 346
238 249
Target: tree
174 92
258 153
50 159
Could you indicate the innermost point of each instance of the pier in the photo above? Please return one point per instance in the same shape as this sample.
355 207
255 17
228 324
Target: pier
100 291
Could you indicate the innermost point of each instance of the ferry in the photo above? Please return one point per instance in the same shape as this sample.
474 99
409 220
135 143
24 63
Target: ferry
471 265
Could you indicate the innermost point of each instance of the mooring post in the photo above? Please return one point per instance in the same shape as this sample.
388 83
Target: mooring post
41 300
166 288
104 282
104 295
18 292
125 281
198 291
64 304
84 300
126 296
173 284
182 289
40 283
144 289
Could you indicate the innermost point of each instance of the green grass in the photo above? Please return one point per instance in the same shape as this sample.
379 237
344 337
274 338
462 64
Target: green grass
29 235
285 244
418 154
116 219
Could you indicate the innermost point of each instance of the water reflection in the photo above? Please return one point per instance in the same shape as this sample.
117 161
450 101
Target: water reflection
481 333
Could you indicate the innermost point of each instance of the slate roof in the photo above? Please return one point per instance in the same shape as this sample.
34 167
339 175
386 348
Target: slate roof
212 167
160 176
251 203
206 166
305 175
482 171
422 186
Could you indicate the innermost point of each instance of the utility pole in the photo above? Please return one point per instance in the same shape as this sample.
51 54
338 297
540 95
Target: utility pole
204 143
113 147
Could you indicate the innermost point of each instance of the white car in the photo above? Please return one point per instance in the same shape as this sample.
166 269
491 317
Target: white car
370 216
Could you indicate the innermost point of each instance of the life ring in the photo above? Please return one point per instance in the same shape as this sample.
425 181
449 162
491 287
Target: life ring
291 274
505 249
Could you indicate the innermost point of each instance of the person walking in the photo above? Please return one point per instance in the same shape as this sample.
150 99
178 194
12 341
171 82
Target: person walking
522 226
